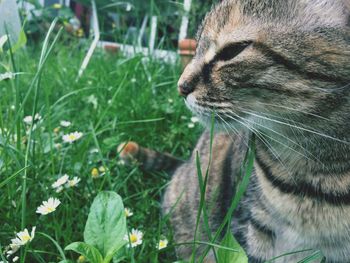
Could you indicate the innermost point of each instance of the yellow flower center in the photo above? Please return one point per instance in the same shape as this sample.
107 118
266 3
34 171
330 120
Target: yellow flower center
133 238
94 173
50 209
25 238
72 137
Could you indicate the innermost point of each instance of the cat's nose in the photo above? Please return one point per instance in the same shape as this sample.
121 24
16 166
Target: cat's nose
184 88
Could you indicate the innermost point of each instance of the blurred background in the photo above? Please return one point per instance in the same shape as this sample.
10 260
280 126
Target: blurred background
127 22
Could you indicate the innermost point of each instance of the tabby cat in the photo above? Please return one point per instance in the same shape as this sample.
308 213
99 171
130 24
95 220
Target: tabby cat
278 69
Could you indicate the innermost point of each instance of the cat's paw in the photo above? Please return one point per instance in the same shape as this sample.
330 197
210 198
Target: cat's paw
128 152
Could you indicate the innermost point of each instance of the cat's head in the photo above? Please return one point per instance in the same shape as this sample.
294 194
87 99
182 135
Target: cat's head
259 57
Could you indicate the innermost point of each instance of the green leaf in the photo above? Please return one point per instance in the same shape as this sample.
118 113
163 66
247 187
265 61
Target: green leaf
91 253
106 225
21 42
227 256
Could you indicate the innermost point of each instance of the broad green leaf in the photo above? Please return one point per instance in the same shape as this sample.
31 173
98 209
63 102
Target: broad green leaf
106 225
21 42
89 252
3 40
227 256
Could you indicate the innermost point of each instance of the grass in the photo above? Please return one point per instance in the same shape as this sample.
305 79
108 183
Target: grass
118 99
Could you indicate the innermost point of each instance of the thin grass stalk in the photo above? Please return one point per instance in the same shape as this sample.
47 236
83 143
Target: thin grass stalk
248 164
16 88
44 55
203 186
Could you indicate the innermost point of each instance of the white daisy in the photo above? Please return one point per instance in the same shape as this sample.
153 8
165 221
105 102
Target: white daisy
102 169
21 239
7 75
15 246
128 212
72 137
59 189
73 182
15 259
24 237
29 119
163 243
65 123
94 150
134 238
93 100
48 206
60 181
58 146
195 119
190 125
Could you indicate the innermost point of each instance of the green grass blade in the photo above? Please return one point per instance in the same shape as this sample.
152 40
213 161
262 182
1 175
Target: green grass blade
11 177
59 248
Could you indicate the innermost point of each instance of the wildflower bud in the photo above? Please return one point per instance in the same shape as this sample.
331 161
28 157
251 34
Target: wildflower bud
94 173
81 259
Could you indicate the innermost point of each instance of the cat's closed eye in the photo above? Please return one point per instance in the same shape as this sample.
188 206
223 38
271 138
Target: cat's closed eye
232 50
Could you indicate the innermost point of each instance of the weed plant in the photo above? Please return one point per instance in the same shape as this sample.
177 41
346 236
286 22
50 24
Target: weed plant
117 99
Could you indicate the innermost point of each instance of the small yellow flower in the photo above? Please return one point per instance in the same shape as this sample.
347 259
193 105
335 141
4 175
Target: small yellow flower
128 212
56 130
79 32
94 173
163 243
81 259
57 6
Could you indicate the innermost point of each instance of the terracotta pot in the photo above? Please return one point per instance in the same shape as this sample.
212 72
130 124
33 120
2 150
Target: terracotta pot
187 49
112 49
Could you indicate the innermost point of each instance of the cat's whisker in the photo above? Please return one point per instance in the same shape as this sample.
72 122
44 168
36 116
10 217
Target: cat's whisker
296 110
283 136
313 157
261 135
225 123
297 127
287 120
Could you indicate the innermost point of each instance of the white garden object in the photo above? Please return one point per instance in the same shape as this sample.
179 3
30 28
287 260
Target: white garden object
96 30
9 19
185 19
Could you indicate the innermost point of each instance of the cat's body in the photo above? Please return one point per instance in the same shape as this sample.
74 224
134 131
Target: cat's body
279 69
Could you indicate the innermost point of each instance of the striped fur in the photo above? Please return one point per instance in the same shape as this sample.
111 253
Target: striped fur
279 69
